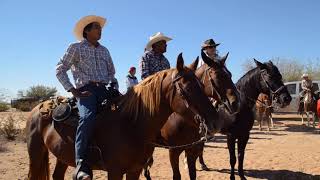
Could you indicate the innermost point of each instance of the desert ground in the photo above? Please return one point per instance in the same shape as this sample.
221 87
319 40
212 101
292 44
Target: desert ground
289 151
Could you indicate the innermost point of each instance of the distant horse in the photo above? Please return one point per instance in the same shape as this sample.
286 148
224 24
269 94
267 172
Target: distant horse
265 78
125 137
309 108
263 110
179 135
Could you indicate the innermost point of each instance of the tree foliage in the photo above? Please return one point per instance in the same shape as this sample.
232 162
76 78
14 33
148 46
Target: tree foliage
41 92
291 69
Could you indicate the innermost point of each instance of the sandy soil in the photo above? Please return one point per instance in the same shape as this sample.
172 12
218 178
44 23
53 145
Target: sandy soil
289 151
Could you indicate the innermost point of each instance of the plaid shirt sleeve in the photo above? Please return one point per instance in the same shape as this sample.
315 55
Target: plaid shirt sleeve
144 66
111 69
64 65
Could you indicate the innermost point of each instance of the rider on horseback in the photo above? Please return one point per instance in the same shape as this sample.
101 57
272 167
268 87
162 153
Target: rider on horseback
92 69
306 85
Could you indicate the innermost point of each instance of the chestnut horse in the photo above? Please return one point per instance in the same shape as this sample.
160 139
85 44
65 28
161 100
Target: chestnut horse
264 110
219 86
124 137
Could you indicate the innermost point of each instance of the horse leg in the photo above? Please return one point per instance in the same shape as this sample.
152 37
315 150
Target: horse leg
314 119
133 175
115 175
174 161
202 164
231 140
38 157
242 142
147 168
268 121
271 120
260 121
308 118
59 170
192 155
302 118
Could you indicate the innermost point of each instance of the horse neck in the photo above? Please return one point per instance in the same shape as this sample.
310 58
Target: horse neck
149 127
249 87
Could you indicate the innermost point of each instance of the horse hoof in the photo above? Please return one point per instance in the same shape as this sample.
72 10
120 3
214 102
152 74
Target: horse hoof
204 167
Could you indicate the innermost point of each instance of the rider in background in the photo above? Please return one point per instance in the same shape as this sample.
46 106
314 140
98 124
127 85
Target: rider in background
131 79
153 59
306 85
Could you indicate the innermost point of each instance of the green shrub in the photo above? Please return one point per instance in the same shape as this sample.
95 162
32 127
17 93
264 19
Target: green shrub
9 127
3 107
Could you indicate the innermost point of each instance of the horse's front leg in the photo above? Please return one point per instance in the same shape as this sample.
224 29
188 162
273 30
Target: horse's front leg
242 143
133 175
174 161
201 160
59 170
271 120
231 147
115 175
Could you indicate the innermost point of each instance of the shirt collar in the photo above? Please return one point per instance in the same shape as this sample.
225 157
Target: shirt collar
87 43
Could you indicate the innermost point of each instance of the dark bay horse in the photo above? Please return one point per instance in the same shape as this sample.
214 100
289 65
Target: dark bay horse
264 110
179 133
265 78
124 137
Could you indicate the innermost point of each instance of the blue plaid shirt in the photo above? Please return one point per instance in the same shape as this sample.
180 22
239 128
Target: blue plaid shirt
87 63
151 63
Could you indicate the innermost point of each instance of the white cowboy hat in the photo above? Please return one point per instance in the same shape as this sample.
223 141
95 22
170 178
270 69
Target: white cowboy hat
156 38
83 22
304 75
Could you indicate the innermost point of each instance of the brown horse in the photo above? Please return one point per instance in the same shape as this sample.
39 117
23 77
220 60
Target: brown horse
263 110
218 85
309 108
124 137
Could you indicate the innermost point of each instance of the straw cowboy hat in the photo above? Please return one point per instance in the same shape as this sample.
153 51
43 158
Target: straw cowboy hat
83 22
156 38
304 75
209 43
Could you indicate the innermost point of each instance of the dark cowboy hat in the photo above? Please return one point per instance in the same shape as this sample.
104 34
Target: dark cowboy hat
209 43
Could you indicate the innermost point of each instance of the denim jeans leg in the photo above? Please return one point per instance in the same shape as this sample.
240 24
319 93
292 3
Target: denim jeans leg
87 110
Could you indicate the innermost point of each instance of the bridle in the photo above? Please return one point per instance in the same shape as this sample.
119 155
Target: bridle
274 93
203 129
214 90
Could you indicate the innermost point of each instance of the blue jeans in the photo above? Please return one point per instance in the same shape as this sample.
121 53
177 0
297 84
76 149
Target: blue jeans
87 109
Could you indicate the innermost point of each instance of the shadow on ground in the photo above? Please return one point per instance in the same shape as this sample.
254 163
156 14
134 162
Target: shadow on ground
275 174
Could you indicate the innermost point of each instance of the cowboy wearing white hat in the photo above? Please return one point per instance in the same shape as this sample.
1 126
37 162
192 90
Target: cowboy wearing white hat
306 86
153 59
92 69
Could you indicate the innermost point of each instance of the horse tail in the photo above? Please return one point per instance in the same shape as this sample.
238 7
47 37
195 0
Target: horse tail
38 153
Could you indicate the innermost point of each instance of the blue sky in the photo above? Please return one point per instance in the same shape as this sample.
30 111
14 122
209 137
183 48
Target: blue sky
35 34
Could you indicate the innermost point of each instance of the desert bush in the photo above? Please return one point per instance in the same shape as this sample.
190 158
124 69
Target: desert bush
3 106
9 128
26 105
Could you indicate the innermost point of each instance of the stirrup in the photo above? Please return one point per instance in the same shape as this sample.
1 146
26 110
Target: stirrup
82 167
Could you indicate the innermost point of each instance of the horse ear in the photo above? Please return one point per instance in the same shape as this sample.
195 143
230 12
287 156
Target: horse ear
259 64
271 62
206 59
194 65
224 59
180 63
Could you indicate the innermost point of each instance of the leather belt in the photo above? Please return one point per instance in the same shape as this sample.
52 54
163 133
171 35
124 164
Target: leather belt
97 83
